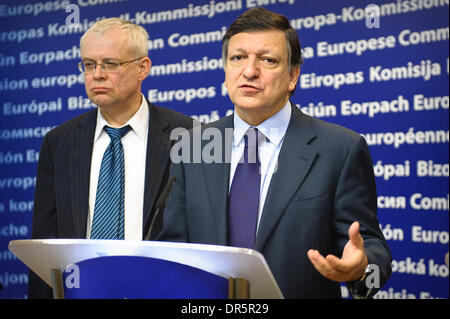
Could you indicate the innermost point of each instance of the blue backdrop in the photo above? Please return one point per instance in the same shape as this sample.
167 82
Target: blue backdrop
386 78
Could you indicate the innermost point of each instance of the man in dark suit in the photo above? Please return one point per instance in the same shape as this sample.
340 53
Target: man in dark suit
315 195
114 62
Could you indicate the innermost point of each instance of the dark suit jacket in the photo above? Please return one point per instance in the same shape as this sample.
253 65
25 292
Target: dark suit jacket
62 185
323 183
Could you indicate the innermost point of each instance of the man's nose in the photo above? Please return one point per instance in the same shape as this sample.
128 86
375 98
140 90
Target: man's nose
251 68
99 73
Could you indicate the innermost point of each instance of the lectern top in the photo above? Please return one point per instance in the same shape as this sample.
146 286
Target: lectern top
43 255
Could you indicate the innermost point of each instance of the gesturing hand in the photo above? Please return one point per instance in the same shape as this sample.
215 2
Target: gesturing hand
348 268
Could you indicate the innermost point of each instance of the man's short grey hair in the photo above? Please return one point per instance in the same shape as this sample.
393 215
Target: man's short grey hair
137 36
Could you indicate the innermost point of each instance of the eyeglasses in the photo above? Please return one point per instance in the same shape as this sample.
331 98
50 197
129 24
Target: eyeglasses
107 66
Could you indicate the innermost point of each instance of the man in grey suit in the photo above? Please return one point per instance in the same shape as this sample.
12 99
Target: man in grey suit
315 217
69 180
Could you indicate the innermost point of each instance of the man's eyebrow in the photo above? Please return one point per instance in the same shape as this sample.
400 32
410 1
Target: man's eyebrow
241 50
260 52
103 59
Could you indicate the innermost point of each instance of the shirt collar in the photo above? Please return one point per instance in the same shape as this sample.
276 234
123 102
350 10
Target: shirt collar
274 128
138 122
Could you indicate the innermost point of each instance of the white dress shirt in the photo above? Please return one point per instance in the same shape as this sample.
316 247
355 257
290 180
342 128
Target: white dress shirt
274 129
135 154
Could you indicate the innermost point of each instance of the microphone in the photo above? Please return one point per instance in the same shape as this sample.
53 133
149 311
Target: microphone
160 203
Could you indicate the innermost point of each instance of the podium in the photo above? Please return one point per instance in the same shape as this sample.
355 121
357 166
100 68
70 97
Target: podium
147 269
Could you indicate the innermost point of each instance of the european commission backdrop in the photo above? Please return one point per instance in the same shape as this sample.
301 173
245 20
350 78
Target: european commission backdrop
380 68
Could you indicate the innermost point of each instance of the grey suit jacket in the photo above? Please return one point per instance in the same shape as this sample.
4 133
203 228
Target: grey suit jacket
62 184
323 183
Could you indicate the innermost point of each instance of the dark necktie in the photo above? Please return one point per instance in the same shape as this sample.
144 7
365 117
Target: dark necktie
244 195
108 222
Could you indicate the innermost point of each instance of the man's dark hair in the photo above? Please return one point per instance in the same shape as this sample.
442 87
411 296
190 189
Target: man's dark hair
260 19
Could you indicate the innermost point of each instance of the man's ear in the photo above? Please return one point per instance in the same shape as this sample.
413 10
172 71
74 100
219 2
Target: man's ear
295 73
144 68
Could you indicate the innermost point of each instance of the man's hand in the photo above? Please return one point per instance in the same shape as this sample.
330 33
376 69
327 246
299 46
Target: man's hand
348 268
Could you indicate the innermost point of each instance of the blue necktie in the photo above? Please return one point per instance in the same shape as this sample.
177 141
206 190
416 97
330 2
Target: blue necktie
244 195
109 208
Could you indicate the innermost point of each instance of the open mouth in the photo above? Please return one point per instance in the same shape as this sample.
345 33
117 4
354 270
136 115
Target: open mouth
248 88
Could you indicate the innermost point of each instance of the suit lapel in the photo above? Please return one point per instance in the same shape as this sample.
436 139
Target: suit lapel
217 177
158 149
294 161
80 169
